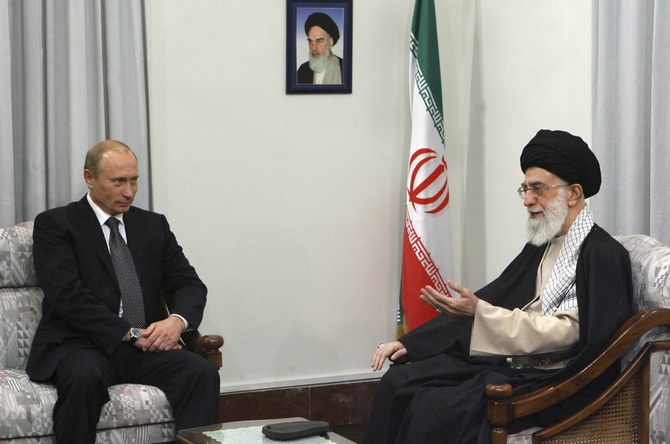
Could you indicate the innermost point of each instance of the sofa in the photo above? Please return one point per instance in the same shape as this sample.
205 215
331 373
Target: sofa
135 413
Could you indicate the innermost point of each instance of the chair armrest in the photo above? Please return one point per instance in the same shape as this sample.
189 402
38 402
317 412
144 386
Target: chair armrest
207 346
210 345
503 408
498 410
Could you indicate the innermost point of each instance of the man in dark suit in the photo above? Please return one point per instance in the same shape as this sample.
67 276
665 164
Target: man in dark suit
96 329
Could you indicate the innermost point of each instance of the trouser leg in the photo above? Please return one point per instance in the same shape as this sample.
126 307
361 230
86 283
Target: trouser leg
195 400
396 391
378 420
189 381
81 378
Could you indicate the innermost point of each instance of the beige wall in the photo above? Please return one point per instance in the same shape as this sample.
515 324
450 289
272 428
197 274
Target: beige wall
291 206
536 58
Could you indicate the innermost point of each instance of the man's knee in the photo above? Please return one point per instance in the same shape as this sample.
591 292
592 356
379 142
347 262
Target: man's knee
80 378
86 379
207 373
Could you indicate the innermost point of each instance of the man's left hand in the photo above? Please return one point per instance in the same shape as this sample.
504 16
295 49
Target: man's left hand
463 306
162 335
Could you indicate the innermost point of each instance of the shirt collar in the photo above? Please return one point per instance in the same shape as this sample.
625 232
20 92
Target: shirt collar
100 213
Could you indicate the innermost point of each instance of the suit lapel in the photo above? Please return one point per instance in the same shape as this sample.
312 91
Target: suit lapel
92 232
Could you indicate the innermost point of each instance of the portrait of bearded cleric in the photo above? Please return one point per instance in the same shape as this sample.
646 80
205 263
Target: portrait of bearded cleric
319 47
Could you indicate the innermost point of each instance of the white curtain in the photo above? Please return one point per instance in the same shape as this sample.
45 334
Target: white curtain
72 73
631 120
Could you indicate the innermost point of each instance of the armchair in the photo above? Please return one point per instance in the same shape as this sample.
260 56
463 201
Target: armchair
634 408
135 414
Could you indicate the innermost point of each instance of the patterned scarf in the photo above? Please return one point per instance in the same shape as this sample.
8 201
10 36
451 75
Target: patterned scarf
560 292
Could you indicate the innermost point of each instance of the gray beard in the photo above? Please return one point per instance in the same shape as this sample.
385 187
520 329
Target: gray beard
541 231
319 65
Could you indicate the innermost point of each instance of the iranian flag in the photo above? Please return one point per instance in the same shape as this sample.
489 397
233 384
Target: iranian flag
427 246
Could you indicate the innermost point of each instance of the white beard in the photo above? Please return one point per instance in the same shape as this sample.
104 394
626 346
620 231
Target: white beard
319 65
542 230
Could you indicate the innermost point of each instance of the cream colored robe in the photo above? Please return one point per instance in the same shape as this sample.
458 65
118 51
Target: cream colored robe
521 332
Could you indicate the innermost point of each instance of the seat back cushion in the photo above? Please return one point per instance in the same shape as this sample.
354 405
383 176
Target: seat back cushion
16 256
20 312
20 298
650 261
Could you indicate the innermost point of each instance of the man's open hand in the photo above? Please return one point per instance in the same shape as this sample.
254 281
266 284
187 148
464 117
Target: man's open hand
463 306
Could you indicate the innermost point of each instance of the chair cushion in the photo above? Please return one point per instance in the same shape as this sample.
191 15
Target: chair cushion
16 256
650 262
659 397
20 312
27 408
523 437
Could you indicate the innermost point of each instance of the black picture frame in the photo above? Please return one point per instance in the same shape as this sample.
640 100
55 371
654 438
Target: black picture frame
297 47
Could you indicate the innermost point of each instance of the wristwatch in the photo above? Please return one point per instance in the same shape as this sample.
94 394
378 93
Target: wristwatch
135 334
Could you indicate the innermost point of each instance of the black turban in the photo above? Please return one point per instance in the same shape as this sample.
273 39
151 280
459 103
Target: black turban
566 156
324 22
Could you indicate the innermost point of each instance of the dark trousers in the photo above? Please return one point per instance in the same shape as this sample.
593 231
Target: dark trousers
190 383
439 400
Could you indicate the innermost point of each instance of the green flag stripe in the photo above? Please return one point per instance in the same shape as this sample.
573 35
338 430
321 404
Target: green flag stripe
424 49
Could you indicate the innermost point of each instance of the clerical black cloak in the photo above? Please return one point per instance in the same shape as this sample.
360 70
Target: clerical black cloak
439 396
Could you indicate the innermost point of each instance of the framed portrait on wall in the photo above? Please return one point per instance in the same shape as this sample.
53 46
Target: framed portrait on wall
318 46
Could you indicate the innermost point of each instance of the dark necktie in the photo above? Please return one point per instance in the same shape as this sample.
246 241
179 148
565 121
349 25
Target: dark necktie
131 293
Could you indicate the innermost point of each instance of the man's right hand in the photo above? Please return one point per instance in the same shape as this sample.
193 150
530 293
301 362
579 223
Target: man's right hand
162 335
389 350
148 342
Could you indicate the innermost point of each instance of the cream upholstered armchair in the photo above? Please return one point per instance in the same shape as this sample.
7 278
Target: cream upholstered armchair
635 407
135 414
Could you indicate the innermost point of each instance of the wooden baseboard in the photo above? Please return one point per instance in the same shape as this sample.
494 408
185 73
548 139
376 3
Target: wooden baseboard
342 403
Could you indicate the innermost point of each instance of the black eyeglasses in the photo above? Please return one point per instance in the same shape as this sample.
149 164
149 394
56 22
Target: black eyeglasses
537 189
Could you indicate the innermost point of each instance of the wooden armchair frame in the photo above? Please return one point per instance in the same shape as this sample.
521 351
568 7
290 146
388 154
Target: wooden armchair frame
207 346
622 408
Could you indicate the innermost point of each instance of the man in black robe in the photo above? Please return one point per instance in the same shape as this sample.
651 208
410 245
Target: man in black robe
546 316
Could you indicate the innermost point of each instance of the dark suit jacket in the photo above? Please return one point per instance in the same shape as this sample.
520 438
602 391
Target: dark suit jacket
81 293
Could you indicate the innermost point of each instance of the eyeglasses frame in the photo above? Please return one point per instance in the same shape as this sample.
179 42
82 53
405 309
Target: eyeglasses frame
537 189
